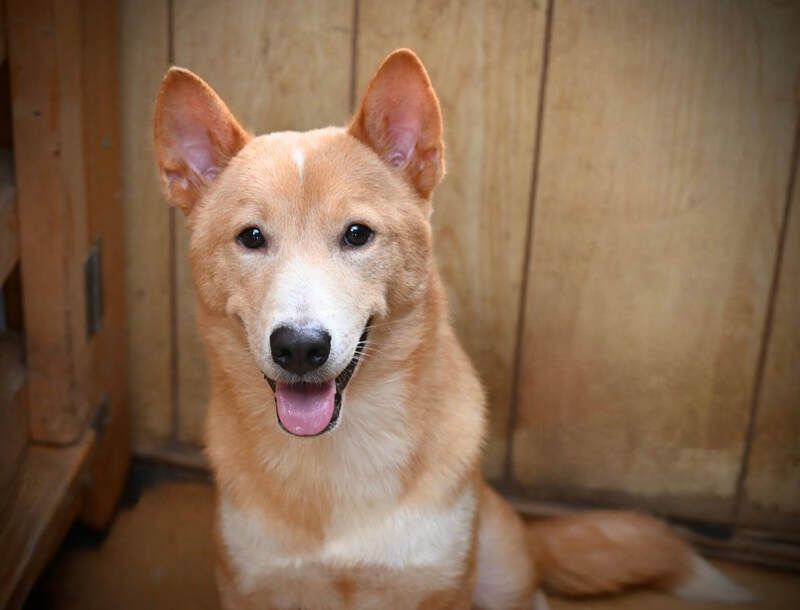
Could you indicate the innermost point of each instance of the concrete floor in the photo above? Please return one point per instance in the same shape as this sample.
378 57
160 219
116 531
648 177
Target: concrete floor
159 554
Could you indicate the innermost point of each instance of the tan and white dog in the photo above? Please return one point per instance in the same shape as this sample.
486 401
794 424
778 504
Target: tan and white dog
345 424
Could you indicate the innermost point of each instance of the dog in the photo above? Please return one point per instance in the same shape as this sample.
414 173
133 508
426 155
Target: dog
345 422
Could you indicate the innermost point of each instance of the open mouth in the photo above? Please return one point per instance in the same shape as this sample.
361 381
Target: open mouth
311 409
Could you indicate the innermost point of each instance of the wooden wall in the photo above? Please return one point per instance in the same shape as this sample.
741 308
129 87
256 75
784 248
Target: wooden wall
617 229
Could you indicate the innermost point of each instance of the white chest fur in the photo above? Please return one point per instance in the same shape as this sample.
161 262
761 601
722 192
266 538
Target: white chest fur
406 538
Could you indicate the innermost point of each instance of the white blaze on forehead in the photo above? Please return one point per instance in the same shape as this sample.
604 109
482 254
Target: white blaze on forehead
299 160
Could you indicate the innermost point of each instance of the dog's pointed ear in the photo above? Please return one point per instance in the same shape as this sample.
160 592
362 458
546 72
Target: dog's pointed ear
195 136
400 119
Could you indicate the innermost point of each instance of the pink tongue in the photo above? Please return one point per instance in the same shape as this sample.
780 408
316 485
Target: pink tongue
305 409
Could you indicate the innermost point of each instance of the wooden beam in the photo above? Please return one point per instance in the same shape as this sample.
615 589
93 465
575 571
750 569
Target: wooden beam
63 64
102 149
38 514
45 65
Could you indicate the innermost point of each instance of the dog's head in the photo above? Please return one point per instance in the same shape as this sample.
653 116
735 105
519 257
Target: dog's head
306 238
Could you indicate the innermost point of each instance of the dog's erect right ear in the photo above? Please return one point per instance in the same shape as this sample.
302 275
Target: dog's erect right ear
400 119
195 136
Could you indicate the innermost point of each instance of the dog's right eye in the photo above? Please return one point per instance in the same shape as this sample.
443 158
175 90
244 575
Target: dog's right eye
252 238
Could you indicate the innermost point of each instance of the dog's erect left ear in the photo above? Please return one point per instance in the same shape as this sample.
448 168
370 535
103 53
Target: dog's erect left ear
400 119
195 136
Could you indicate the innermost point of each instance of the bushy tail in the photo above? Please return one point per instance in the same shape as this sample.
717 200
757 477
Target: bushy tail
601 552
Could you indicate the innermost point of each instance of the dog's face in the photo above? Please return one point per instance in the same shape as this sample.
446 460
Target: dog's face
306 238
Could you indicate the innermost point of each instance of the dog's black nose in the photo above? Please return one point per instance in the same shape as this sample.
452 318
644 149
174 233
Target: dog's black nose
299 350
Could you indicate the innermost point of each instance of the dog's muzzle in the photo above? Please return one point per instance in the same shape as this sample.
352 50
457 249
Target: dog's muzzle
311 409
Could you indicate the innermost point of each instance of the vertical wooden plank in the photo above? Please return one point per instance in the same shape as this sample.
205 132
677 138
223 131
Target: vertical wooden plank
13 410
484 60
144 48
100 29
45 62
772 487
279 65
666 151
9 228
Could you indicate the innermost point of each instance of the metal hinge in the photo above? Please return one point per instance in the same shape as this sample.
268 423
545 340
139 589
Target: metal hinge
102 416
94 290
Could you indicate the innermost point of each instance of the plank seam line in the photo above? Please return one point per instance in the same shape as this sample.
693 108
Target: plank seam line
354 57
173 272
526 263
766 334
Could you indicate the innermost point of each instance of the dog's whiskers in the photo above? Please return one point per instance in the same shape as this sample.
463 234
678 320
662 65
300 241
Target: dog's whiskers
392 323
372 351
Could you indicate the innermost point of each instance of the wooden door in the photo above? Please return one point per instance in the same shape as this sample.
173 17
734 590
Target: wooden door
610 228
63 412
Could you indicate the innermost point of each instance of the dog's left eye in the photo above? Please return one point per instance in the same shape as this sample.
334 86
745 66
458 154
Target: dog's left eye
252 238
357 235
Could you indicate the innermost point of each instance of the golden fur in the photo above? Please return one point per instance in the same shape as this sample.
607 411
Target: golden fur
388 510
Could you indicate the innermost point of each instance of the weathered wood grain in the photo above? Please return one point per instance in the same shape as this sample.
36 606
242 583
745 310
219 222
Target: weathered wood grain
665 157
100 27
46 72
279 66
772 487
144 60
484 60
38 513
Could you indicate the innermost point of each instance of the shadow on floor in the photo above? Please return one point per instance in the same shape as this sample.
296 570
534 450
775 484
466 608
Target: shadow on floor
159 553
